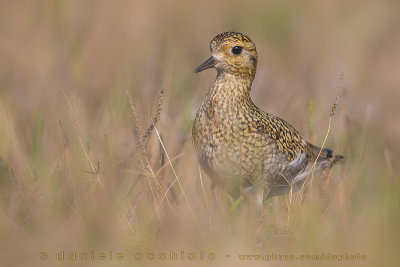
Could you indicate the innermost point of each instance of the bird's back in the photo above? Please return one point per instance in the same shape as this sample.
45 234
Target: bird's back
251 146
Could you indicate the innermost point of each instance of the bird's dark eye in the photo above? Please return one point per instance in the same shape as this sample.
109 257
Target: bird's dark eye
236 50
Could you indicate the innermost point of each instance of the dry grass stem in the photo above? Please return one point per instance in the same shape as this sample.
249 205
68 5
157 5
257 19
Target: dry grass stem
205 198
77 130
176 176
143 155
155 119
332 113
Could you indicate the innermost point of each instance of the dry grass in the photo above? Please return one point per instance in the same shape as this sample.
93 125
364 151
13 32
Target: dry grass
80 171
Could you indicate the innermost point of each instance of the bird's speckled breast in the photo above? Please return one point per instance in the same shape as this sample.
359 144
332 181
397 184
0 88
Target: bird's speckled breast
224 138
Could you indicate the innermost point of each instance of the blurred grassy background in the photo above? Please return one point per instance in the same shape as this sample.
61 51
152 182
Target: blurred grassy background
65 67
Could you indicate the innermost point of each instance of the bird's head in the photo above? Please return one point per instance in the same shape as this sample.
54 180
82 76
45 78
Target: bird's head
233 53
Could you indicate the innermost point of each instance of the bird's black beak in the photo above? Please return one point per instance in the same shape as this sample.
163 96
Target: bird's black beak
209 63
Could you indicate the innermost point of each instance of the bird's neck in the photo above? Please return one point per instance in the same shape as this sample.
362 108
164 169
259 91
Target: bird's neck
230 87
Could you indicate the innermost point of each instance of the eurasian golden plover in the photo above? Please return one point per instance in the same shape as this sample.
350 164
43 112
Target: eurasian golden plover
238 143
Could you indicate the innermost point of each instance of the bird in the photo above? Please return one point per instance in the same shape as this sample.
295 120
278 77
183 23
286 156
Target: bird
238 145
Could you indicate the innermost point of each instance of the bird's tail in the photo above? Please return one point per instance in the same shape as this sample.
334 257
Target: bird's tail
327 158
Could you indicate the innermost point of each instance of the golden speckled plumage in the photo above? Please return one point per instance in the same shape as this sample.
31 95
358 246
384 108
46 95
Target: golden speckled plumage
238 143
